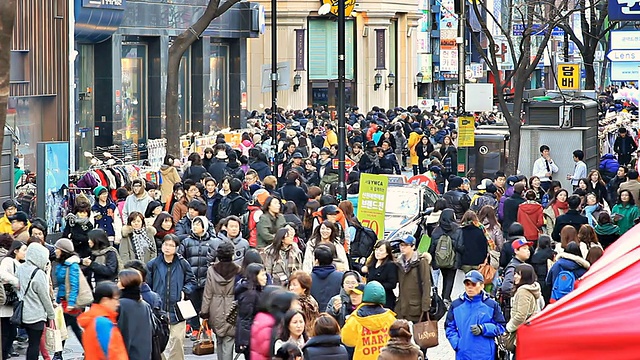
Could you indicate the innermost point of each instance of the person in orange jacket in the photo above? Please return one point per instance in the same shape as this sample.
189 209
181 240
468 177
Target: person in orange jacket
102 339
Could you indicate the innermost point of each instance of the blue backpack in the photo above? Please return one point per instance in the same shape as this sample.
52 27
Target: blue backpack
563 285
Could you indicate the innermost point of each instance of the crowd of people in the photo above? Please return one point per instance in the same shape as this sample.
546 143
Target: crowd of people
265 257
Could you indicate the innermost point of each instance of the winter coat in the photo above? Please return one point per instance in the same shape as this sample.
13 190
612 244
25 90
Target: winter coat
8 267
291 192
217 169
247 309
179 211
261 168
267 227
573 218
447 225
465 312
531 218
240 246
507 194
134 203
101 338
608 166
37 304
326 282
474 247
103 216
423 151
70 267
127 247
169 178
629 214
484 200
5 225
624 145
511 206
389 163
326 347
218 296
199 253
540 262
387 275
104 264
367 329
567 262
194 173
261 336
523 305
309 259
458 200
134 322
282 265
414 139
607 234
509 272
77 230
612 189
170 280
151 297
399 349
449 159
234 170
550 219
633 186
414 290
592 213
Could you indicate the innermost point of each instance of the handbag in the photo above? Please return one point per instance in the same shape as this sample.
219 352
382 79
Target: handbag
425 333
438 308
61 325
204 344
85 294
232 317
185 310
52 337
487 271
507 341
16 317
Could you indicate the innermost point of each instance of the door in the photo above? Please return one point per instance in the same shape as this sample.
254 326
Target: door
131 130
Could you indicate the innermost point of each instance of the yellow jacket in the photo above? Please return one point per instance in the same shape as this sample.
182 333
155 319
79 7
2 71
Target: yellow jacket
332 138
367 329
414 139
5 225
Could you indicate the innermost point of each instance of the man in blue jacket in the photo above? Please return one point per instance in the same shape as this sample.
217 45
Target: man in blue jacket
473 321
170 276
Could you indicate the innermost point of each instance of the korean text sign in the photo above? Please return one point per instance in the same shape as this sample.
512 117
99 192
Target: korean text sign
372 202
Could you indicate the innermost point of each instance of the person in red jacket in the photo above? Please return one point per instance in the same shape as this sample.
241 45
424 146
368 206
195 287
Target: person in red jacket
102 339
531 218
274 304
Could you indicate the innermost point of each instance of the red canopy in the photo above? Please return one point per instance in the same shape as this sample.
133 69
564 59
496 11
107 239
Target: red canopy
600 319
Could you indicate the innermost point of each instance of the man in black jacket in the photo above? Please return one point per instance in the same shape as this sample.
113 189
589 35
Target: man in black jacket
291 192
624 146
614 184
572 217
456 198
511 205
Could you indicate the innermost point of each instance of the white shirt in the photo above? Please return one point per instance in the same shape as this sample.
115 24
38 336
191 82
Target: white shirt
579 172
540 169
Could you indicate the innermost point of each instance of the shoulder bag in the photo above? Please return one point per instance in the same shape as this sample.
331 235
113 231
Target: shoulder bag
85 295
18 307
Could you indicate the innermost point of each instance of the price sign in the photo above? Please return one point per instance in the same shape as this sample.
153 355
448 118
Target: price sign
372 202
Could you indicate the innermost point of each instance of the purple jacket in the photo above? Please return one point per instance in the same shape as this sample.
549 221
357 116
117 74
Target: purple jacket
507 194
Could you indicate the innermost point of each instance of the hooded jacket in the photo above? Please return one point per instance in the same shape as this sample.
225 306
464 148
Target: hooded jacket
465 312
367 329
399 349
261 168
170 280
37 302
241 246
414 279
101 338
523 305
510 208
200 251
72 267
183 228
567 262
326 347
326 282
218 296
531 218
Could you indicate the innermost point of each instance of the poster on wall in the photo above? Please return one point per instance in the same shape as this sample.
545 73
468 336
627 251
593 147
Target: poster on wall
52 181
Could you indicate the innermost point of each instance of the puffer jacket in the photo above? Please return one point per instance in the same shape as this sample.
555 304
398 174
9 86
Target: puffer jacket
103 216
531 218
484 200
326 347
608 166
241 246
398 349
458 200
199 253
170 281
414 295
247 309
218 296
70 266
523 304
465 312
567 262
376 320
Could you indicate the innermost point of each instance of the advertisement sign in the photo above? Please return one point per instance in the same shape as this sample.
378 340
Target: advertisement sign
625 40
52 179
425 64
372 200
466 131
624 10
624 71
568 76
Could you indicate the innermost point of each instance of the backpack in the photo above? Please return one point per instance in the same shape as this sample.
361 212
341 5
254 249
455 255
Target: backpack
224 208
160 339
362 246
564 284
445 253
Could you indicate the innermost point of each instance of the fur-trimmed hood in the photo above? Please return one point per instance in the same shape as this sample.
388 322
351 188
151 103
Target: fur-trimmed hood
534 289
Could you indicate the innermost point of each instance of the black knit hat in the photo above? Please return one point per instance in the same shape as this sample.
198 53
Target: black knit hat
225 251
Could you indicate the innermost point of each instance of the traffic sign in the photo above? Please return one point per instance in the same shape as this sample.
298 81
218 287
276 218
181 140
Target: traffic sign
348 164
624 55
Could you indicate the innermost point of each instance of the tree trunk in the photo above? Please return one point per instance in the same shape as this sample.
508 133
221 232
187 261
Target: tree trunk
7 18
590 71
176 51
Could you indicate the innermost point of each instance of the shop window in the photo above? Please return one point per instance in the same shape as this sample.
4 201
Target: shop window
26 118
131 128
217 104
323 49
84 128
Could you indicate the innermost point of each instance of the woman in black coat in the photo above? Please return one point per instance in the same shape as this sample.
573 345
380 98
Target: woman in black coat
596 185
423 148
248 293
325 344
103 261
381 268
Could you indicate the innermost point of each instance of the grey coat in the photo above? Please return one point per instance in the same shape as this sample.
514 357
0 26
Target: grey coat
37 302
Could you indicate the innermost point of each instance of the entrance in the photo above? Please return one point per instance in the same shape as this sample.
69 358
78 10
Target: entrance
325 93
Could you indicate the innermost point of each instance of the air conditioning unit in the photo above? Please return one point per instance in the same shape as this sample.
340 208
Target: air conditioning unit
565 116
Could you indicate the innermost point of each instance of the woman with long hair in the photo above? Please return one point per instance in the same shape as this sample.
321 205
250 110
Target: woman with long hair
534 184
551 193
138 240
587 239
325 340
449 157
540 260
475 242
248 293
134 320
8 266
488 217
381 267
597 186
154 208
326 233
558 206
104 260
568 234
300 284
164 225
309 209
625 211
273 306
293 330
283 257
525 299
270 221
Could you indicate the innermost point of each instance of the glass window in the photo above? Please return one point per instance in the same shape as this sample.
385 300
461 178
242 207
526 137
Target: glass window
84 128
323 49
217 106
26 120
131 129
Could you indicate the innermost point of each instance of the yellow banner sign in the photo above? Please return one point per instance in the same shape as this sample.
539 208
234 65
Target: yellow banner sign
568 76
466 131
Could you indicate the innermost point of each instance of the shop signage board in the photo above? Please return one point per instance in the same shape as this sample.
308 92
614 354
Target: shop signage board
466 131
372 202
625 53
568 76
623 10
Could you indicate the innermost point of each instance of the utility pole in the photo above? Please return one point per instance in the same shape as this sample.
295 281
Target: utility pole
342 136
461 57
274 81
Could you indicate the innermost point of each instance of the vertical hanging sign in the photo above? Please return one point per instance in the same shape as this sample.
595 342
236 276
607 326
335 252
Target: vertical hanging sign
380 49
300 49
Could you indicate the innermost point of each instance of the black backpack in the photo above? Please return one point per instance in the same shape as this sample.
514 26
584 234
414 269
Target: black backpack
362 246
160 339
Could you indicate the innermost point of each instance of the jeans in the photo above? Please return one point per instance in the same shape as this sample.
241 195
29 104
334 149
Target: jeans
448 277
175 346
9 332
196 300
34 342
225 347
436 276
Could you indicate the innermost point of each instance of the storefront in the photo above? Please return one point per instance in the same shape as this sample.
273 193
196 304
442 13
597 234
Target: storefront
122 79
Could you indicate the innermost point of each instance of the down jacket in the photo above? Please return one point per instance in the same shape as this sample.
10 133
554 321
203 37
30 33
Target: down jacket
170 281
247 308
326 347
569 262
199 253
458 200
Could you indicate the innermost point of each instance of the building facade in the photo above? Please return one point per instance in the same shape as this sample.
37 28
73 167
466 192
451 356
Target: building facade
121 72
381 42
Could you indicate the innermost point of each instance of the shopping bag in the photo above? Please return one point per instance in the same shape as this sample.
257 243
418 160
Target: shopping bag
425 333
53 340
61 325
185 310
204 344
487 271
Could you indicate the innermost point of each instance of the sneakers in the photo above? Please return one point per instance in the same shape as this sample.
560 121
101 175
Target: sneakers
194 335
187 334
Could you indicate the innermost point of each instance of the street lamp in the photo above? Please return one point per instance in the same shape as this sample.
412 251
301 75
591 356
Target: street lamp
419 78
378 81
296 82
391 79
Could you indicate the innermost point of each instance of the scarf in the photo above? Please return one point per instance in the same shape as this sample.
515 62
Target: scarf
606 229
588 211
141 242
557 206
161 233
131 292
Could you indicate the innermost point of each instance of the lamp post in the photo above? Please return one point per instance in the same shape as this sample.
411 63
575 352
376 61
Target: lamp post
391 79
297 80
274 79
378 81
342 135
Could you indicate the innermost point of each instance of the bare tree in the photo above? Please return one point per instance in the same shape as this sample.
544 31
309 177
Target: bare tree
525 52
176 51
7 19
594 27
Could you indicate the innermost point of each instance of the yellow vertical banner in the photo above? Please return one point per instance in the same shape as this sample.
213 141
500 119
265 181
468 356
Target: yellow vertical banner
466 131
372 202
568 76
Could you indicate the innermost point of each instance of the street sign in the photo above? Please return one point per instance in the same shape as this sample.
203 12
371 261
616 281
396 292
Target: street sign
624 55
568 76
624 71
538 30
348 164
284 76
625 40
623 10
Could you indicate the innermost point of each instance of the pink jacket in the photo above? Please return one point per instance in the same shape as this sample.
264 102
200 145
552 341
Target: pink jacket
261 331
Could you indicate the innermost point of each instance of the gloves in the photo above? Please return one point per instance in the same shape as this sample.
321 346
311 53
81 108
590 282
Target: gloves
476 329
204 316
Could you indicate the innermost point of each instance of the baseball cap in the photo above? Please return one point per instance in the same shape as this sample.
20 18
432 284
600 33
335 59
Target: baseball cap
484 183
20 216
518 243
512 180
330 210
474 276
297 155
358 289
409 239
